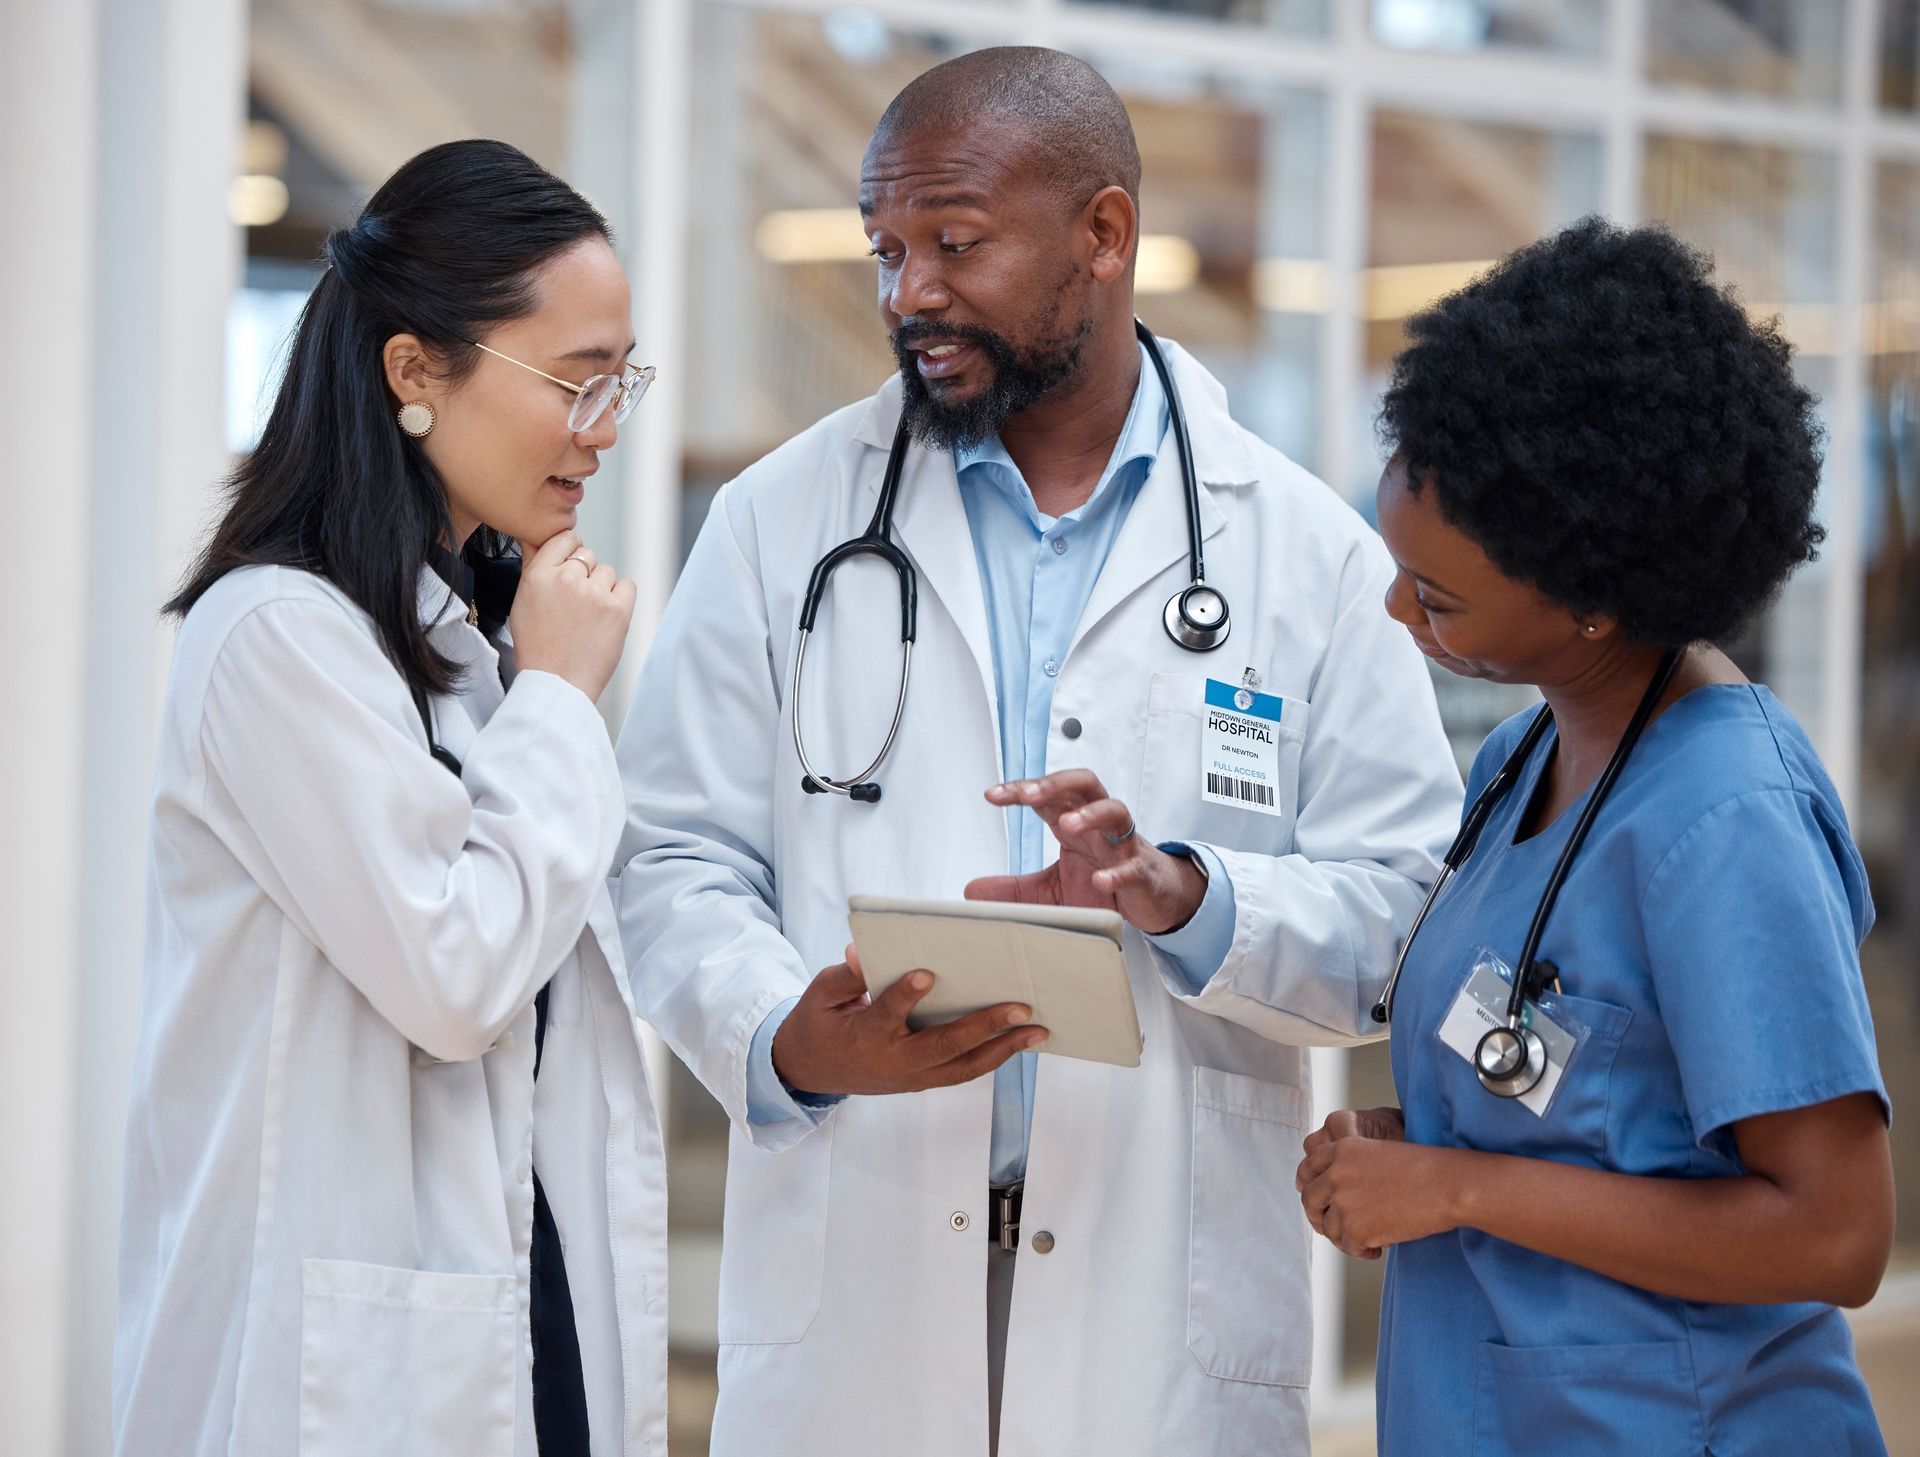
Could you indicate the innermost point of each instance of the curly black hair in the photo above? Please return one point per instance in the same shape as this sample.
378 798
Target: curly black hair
1610 426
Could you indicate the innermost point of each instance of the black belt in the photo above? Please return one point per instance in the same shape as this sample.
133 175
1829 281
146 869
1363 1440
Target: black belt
1003 1214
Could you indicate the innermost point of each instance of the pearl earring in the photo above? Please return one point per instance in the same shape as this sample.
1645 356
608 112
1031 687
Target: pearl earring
416 418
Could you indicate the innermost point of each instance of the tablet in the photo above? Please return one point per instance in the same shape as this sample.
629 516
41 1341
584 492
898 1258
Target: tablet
1063 961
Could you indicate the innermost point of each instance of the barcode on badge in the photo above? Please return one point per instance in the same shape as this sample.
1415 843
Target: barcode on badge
1226 784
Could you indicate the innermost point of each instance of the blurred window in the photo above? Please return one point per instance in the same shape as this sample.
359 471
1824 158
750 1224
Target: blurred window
1566 27
1784 48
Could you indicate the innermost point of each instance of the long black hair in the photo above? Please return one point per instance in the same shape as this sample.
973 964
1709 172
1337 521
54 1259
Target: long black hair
445 249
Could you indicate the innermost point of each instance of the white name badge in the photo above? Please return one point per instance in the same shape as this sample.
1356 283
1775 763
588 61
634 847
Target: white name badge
1482 1005
1240 748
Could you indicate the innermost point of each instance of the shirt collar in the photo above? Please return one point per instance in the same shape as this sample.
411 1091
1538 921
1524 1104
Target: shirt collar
452 570
1139 439
479 581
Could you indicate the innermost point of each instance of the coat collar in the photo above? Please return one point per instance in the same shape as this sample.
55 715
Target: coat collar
438 602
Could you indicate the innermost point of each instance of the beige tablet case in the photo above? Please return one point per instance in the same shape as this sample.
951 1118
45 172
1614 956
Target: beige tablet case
1063 961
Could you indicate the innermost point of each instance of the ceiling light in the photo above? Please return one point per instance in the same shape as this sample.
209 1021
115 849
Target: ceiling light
1400 290
1291 285
1164 263
255 199
812 235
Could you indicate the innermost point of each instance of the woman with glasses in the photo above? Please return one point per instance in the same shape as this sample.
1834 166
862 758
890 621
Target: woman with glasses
393 1175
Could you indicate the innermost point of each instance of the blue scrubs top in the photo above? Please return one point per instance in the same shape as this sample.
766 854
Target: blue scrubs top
1708 935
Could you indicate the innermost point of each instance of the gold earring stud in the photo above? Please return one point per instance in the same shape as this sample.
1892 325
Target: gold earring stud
416 418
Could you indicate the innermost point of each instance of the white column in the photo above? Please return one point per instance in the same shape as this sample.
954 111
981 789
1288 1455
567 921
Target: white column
1342 393
171 104
48 85
602 105
662 219
659 218
1349 152
1844 553
1625 134
1329 1066
119 119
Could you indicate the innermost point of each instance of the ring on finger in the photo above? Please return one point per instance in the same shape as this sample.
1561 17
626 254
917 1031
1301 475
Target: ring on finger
1121 838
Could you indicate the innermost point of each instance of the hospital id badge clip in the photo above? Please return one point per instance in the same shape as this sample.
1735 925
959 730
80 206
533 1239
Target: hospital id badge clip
1240 746
1481 1006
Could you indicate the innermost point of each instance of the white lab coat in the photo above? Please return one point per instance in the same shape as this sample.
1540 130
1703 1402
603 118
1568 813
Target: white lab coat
1172 1314
328 1195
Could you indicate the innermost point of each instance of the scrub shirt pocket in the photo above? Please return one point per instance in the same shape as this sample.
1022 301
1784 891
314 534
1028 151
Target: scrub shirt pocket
1586 1401
1248 1293
1577 1120
396 1360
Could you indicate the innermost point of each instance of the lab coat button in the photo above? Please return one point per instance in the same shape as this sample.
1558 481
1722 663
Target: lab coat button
1071 728
959 1220
1043 1242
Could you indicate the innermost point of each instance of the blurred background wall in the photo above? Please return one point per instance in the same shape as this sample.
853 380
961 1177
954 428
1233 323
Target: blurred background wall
1315 171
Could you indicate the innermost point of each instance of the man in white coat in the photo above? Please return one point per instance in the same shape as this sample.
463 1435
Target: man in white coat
1064 1257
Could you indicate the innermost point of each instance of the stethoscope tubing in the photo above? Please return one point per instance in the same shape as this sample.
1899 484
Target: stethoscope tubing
1489 798
1463 845
1183 447
877 540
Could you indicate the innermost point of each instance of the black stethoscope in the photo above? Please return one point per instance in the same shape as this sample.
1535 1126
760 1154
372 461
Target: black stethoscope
1195 617
1510 1059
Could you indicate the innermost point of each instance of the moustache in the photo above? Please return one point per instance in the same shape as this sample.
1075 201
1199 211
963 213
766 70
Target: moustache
911 336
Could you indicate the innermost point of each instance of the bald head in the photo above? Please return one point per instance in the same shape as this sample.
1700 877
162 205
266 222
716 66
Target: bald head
998 194
1070 123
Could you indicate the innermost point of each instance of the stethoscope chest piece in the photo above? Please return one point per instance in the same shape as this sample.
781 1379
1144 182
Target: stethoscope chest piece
1510 1061
1196 618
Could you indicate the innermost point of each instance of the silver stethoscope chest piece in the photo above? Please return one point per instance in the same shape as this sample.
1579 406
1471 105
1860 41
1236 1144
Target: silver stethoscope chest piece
1509 1061
1196 618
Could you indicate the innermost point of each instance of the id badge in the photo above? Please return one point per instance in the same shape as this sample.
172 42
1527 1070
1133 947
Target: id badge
1482 1005
1240 748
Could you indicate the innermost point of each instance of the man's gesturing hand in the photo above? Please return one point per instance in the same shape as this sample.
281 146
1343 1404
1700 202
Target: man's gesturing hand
1104 861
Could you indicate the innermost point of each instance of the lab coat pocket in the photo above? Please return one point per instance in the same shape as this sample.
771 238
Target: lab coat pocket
1586 1401
398 1360
771 1282
1182 799
1248 1301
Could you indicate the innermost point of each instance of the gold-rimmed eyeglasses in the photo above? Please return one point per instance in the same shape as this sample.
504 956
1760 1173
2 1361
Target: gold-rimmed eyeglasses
590 400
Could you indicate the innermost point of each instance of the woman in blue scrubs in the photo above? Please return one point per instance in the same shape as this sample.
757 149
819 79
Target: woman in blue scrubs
1602 469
